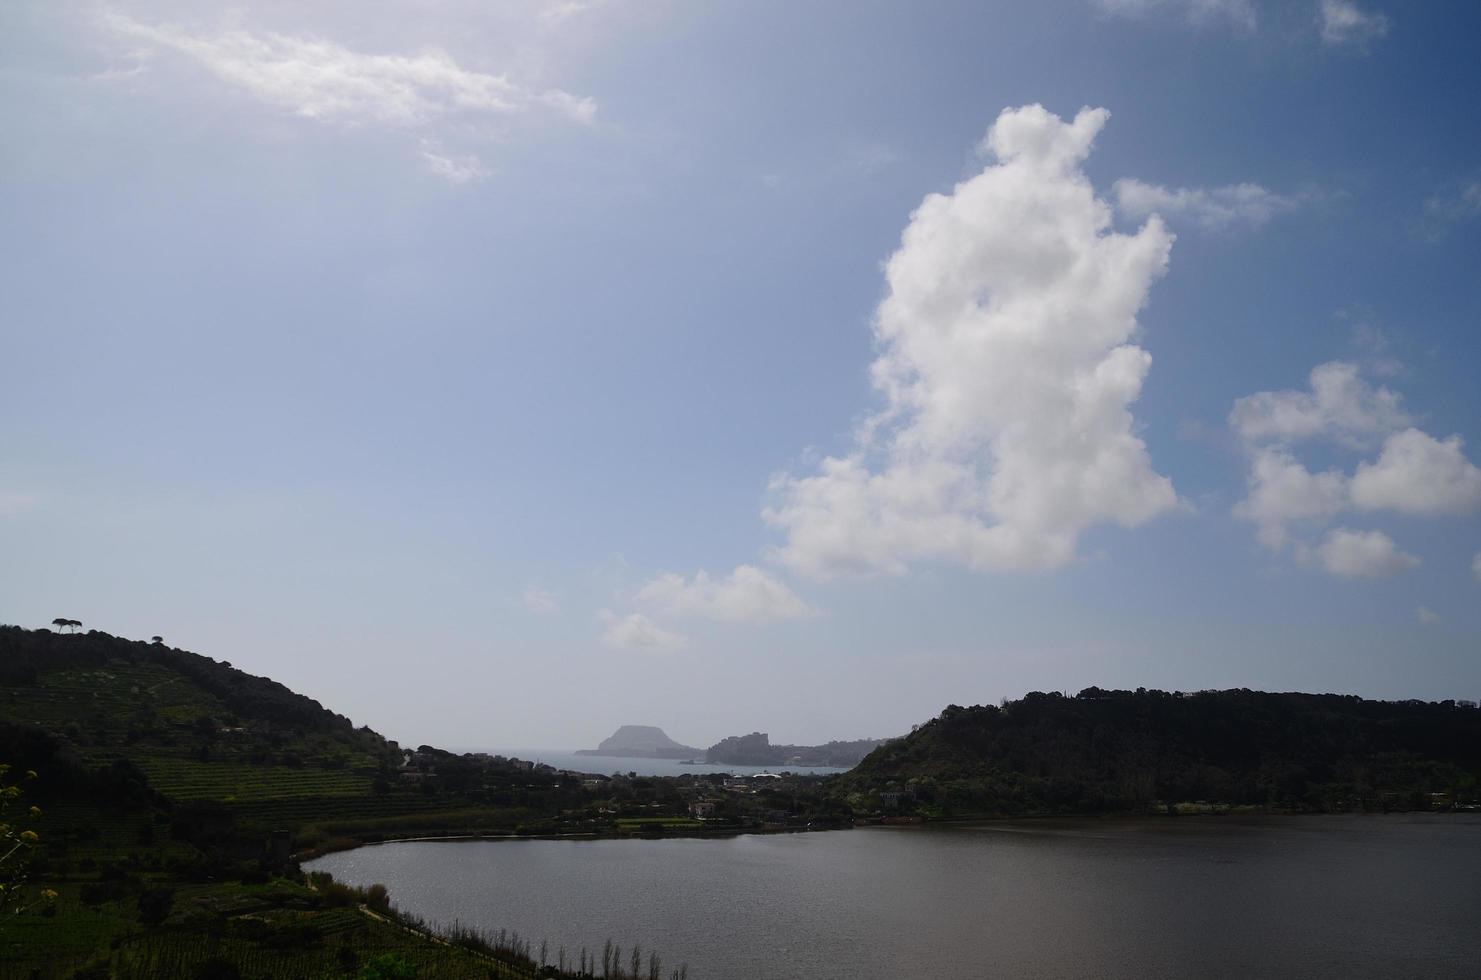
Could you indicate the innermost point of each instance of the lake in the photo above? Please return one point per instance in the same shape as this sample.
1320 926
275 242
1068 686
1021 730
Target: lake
1224 897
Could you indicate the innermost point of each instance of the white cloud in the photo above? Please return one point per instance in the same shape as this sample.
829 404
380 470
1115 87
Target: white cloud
1426 616
1281 491
321 80
748 595
1344 22
1340 406
1239 13
637 632
1418 475
1008 369
1362 554
539 601
1215 209
1476 566
1414 473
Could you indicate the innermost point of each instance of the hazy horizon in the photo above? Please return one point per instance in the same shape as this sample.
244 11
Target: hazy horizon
502 373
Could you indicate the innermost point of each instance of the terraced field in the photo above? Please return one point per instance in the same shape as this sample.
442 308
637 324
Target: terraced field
108 699
228 782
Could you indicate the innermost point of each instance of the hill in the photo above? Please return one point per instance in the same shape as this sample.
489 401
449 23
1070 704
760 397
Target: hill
1118 751
641 742
171 790
756 749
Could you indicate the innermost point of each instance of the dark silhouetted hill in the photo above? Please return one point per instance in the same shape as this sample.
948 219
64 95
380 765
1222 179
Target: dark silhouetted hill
1117 751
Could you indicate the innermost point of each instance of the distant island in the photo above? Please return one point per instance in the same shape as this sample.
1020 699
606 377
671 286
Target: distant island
756 749
642 742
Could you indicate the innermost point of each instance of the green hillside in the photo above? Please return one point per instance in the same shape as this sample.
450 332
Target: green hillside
170 790
1134 751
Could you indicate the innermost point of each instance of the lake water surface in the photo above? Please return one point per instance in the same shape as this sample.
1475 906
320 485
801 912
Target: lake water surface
1341 896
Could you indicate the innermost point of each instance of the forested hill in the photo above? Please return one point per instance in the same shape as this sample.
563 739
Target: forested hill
27 655
1106 751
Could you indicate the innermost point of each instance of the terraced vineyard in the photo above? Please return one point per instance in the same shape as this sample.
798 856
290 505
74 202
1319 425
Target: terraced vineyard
108 699
232 782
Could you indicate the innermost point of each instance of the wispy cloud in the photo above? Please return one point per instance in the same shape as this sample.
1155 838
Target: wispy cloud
1426 616
1448 208
1344 23
637 632
320 80
539 601
453 168
1216 208
747 595
1236 13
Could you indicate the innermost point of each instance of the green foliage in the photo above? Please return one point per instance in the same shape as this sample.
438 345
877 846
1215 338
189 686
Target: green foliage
387 966
1115 751
19 840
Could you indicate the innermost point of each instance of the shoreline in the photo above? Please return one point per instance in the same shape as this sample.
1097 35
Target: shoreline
311 854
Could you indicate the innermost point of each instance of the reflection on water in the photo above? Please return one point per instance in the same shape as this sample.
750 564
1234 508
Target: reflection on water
1365 897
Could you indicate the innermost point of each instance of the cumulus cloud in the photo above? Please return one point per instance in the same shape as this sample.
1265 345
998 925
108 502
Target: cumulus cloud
1414 474
1419 475
1343 22
1282 491
1362 554
320 80
1239 13
539 601
1426 616
1215 209
1008 371
1340 405
637 632
748 595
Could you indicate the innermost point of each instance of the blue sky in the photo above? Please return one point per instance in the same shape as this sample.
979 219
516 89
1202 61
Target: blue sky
502 373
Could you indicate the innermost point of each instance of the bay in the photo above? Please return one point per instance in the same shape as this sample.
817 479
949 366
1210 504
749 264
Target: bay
606 765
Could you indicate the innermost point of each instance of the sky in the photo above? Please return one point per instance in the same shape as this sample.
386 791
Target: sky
499 373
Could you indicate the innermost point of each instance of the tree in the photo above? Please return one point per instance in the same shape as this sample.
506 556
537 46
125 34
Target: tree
60 623
156 640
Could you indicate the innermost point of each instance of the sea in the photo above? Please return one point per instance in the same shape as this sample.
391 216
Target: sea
606 765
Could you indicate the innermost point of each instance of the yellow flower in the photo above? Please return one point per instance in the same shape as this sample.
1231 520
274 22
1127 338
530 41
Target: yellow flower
35 811
47 895
30 837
